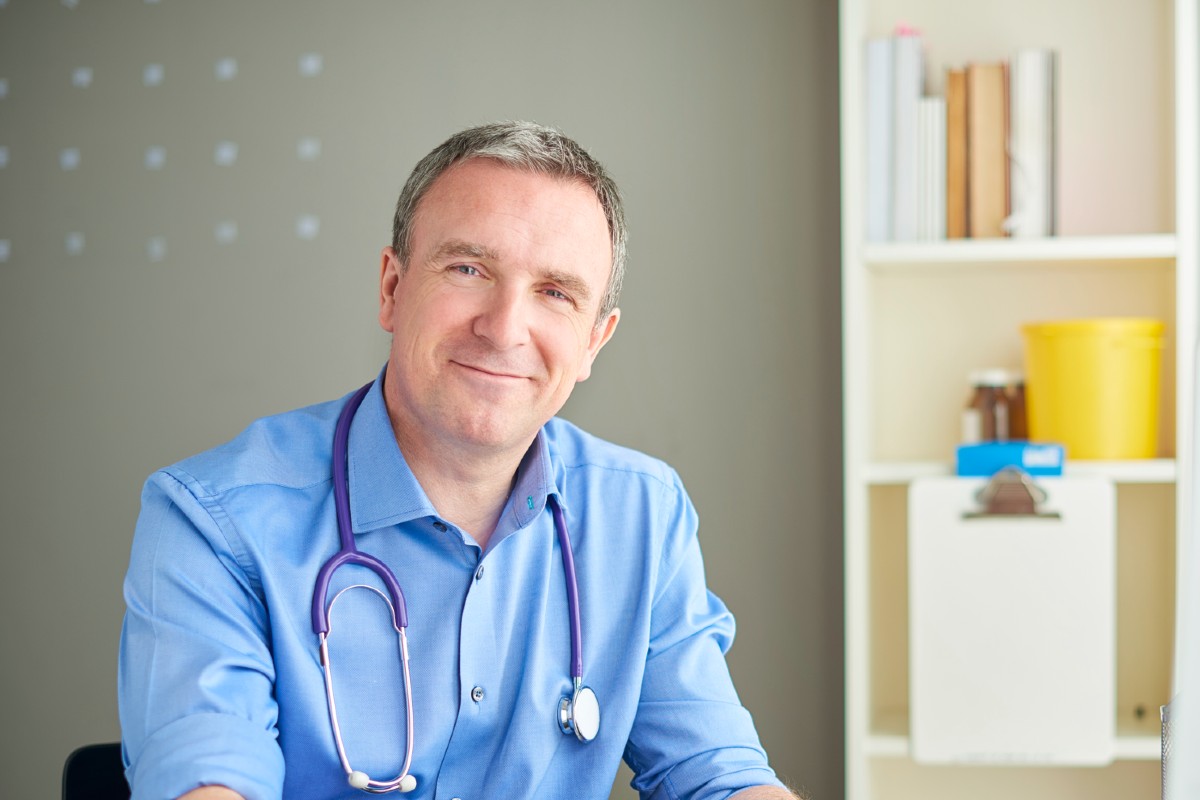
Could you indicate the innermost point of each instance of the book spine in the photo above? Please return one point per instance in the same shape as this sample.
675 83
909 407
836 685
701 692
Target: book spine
1031 144
932 168
987 158
909 84
956 154
878 116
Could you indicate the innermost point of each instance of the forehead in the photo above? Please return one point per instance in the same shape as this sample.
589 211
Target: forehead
481 184
513 212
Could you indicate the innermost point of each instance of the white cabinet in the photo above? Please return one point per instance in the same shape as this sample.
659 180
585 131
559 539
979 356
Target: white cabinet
918 317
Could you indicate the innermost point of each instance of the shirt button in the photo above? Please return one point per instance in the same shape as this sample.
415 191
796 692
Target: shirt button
477 694
479 573
441 526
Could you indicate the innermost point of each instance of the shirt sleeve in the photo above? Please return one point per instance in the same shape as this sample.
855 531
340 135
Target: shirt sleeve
195 674
691 736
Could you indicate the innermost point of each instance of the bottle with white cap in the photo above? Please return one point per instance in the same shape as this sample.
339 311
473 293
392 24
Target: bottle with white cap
986 417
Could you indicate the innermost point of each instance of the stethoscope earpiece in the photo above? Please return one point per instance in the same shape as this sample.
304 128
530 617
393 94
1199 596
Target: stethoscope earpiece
361 780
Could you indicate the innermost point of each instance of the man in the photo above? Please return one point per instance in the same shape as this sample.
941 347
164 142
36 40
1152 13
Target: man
499 290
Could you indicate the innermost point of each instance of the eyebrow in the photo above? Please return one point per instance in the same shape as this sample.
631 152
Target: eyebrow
457 248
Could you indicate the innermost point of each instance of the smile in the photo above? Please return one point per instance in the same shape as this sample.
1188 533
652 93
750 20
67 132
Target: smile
489 372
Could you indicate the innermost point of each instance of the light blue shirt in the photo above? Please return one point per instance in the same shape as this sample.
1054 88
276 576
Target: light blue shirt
219 679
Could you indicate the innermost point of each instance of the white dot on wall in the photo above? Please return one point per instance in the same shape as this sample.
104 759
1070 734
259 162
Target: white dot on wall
74 243
308 226
155 157
5 250
226 69
70 3
81 77
3 88
152 75
308 148
69 158
225 154
156 248
311 64
3 156
151 2
226 232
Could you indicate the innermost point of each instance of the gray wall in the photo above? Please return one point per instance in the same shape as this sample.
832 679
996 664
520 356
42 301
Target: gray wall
719 119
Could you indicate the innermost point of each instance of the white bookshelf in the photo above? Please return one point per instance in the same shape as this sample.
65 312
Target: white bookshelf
1096 250
918 316
1150 470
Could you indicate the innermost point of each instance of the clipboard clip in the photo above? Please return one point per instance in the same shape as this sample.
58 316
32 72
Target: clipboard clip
1011 492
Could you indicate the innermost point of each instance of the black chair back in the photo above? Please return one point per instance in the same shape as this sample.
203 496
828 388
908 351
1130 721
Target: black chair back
95 772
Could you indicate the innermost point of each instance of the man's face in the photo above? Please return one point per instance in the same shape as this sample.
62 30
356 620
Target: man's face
494 319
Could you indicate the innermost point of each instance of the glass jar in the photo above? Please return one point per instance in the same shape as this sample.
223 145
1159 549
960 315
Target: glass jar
987 416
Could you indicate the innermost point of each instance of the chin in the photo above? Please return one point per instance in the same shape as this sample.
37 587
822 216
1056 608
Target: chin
491 434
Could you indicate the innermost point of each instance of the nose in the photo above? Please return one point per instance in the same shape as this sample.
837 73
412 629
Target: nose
503 320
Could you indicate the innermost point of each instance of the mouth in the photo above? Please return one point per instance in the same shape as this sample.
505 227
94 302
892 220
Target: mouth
490 372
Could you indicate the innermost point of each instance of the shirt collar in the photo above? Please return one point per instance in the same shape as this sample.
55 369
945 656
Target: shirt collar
535 481
383 490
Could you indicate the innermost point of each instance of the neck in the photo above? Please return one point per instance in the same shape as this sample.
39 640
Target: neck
468 488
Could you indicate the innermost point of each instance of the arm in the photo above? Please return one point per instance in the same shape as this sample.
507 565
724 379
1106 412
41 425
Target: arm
212 793
196 676
691 736
765 793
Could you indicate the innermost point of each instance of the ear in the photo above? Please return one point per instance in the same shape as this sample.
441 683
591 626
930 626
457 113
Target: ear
389 278
600 336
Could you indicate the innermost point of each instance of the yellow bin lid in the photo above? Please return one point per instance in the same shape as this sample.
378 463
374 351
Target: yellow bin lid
1112 326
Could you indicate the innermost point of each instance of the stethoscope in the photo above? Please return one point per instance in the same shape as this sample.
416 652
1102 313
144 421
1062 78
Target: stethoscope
578 713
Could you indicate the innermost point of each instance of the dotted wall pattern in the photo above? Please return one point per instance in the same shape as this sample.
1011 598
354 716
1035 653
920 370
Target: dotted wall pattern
111 136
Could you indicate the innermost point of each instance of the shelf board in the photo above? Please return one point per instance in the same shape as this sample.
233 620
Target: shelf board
1136 740
1149 470
990 251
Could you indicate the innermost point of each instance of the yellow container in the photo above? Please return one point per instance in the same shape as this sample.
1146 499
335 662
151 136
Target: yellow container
1092 385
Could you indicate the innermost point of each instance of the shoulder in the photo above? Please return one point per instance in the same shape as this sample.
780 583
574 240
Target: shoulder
574 450
288 450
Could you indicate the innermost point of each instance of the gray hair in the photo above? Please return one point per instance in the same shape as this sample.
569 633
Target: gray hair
526 146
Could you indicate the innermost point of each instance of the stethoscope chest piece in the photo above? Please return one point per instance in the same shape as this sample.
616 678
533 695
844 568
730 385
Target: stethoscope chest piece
580 714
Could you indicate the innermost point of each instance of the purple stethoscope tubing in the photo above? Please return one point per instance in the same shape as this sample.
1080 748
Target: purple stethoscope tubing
568 559
349 554
578 712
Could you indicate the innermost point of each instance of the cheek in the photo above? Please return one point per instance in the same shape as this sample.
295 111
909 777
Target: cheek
429 314
571 354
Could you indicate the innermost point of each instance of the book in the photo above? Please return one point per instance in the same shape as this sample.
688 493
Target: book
1032 151
931 169
956 154
909 83
878 114
987 159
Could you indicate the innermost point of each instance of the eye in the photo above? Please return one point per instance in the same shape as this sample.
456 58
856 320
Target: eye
557 294
465 269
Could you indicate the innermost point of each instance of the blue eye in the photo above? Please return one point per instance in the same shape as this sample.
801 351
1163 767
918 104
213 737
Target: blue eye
465 269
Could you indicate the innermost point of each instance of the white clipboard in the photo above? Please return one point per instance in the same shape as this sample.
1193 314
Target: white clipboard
1012 637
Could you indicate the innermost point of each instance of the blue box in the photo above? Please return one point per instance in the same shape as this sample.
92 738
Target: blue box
986 459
